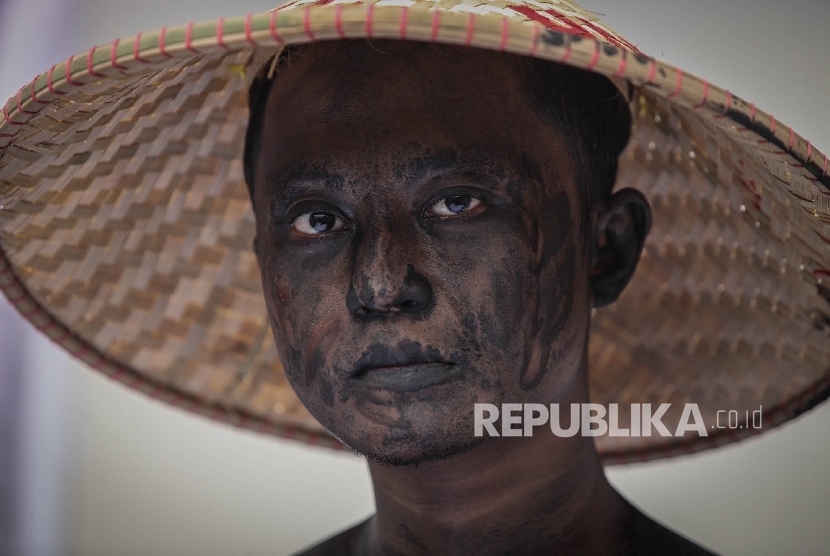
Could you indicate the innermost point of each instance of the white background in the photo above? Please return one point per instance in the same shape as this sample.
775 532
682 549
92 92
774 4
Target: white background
109 473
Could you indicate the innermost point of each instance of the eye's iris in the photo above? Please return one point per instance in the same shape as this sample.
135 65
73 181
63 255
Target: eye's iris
457 203
321 221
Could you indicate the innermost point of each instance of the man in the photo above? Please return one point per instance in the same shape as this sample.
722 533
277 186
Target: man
429 241
434 229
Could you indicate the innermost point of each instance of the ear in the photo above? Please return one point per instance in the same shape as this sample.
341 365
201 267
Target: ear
621 231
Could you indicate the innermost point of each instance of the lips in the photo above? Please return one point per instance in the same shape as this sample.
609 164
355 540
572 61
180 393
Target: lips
407 367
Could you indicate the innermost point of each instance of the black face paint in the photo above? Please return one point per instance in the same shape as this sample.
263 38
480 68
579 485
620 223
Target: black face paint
455 276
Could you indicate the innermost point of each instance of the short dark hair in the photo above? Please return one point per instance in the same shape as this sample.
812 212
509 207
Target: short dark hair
580 104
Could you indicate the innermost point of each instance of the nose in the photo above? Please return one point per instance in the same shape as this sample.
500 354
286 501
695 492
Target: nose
384 280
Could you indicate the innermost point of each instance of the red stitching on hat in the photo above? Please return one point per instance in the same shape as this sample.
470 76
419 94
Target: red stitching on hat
114 56
727 107
792 138
623 58
188 36
370 14
136 45
244 418
220 33
33 311
338 20
16 298
154 389
433 34
568 48
772 123
248 36
609 37
215 412
20 106
505 32
752 111
68 73
825 166
652 68
132 381
162 48
98 362
185 402
49 82
175 399
468 39
307 23
89 68
594 57
33 94
64 334
809 148
535 39
404 20
272 25
80 351
9 120
705 95
679 83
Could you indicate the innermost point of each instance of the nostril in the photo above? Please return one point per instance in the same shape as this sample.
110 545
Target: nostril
365 299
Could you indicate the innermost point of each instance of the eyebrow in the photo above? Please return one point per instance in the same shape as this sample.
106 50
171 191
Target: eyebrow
478 164
291 181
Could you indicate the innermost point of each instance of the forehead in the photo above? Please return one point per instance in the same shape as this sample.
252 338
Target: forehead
355 108
396 88
380 77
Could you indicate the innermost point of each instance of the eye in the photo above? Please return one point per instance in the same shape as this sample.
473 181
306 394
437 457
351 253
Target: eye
319 222
454 204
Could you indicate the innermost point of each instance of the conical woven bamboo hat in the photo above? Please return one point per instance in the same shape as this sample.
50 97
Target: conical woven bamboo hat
125 226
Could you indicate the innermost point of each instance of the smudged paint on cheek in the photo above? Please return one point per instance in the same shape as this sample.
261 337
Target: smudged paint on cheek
309 362
553 306
554 229
502 308
505 291
305 324
558 254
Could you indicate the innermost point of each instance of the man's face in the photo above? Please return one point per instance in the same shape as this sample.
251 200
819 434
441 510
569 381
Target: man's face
418 236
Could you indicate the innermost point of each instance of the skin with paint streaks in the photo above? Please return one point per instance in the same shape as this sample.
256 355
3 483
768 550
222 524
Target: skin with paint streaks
418 238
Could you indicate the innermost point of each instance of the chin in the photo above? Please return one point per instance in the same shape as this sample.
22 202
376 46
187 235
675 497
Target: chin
411 450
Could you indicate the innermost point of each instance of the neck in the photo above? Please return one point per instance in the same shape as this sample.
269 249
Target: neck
517 495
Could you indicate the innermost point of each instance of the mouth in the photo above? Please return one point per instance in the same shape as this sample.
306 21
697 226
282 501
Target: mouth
407 367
